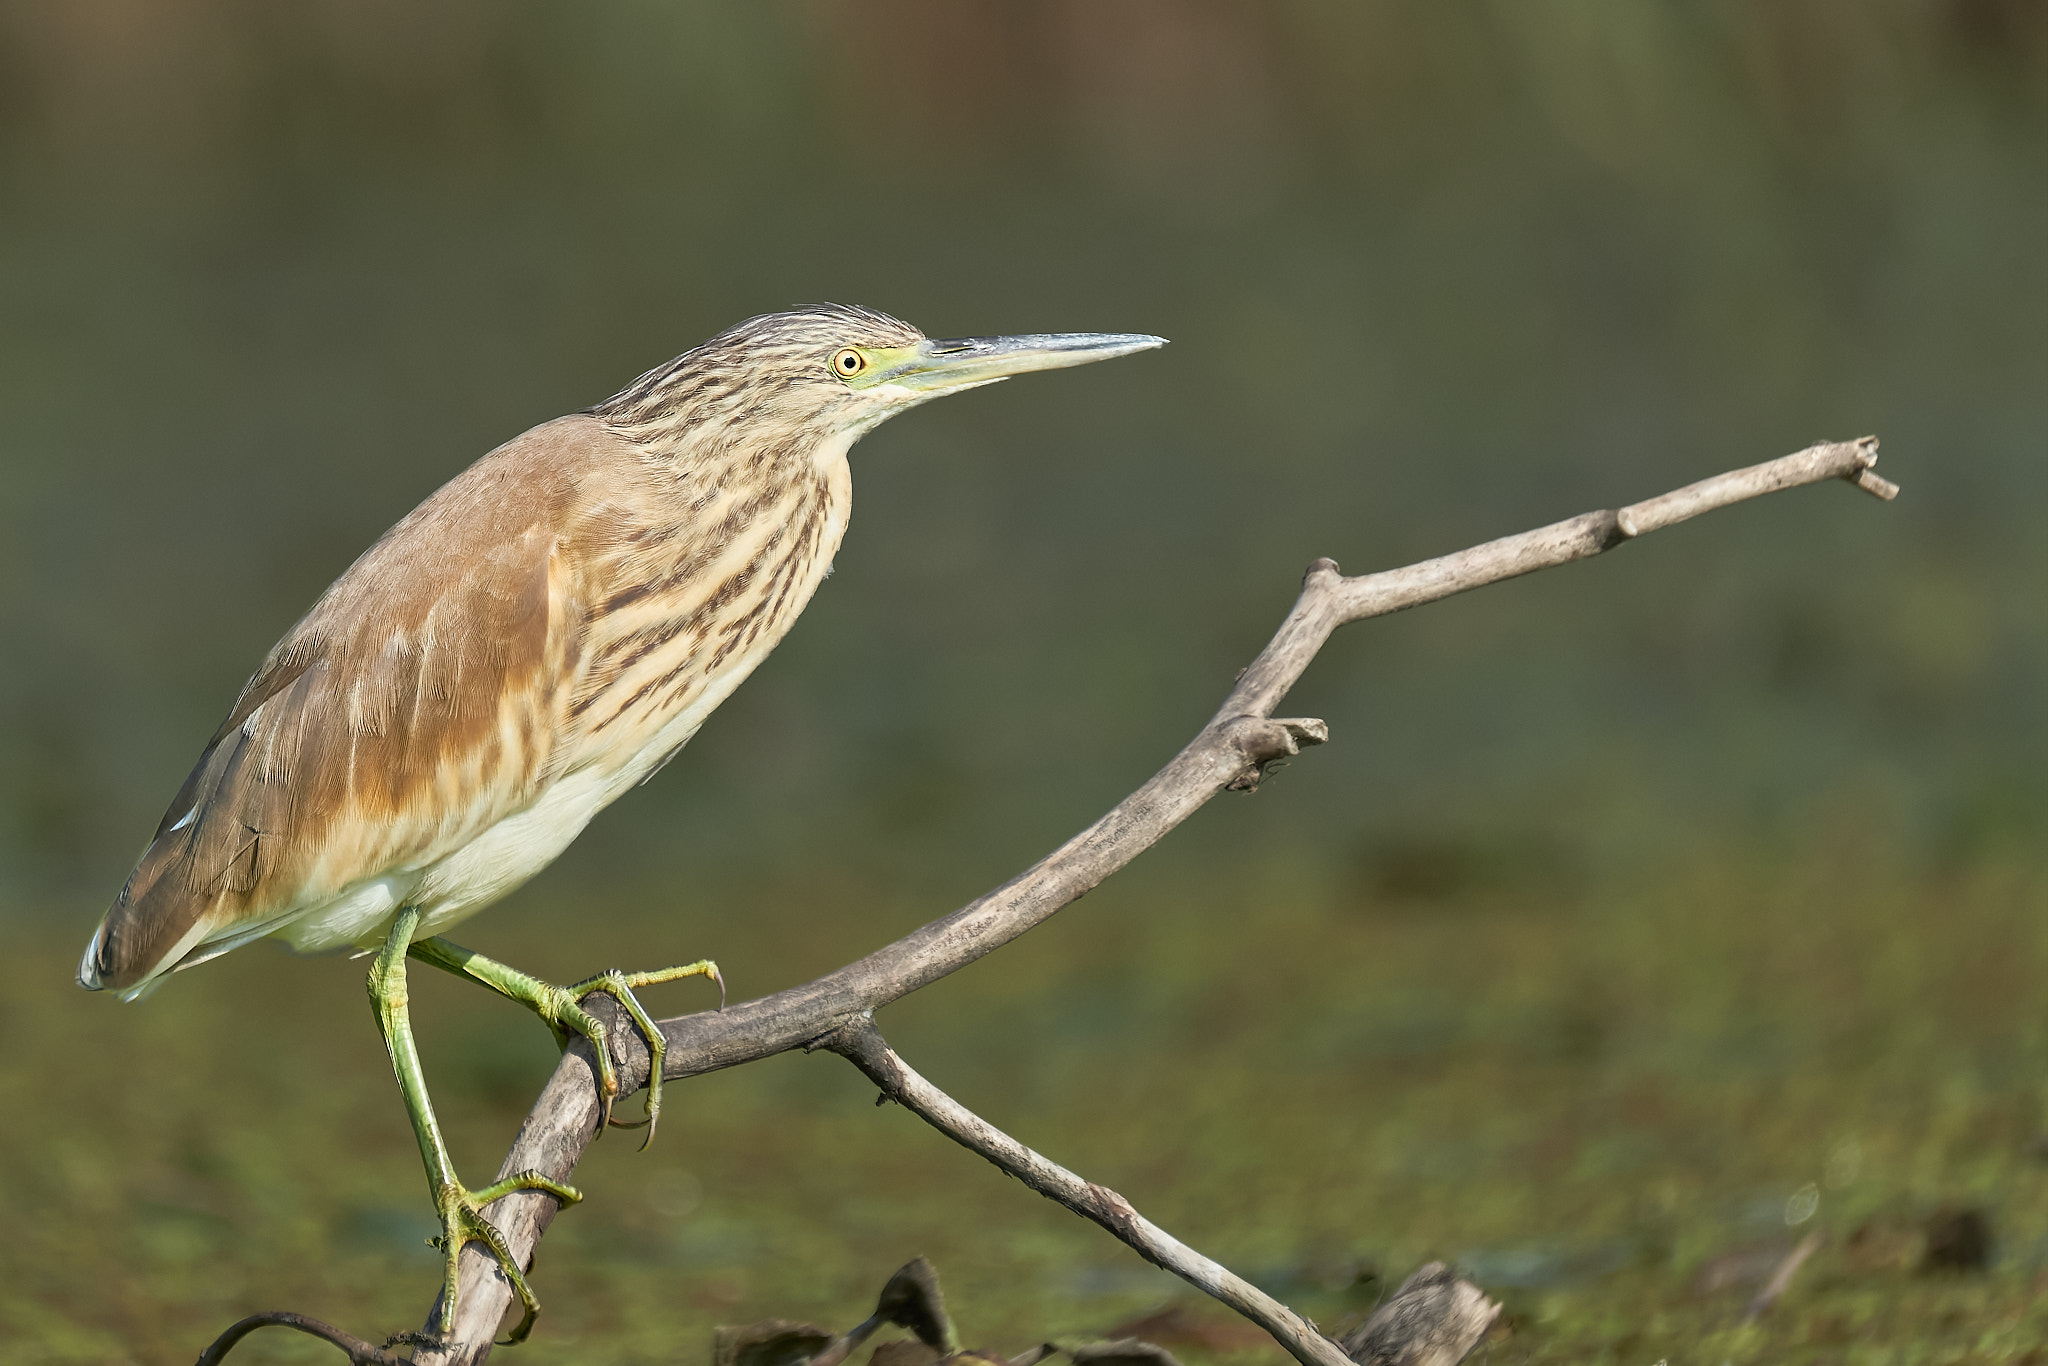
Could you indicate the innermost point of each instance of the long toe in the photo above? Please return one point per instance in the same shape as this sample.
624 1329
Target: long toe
463 1222
620 987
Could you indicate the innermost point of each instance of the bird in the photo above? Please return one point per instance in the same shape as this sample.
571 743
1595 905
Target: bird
540 635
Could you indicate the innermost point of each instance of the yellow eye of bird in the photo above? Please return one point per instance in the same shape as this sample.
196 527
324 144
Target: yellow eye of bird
849 362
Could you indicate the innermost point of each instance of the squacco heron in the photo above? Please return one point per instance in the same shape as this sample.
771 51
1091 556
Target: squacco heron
537 637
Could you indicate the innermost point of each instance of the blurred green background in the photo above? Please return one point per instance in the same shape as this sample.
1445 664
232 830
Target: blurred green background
1633 905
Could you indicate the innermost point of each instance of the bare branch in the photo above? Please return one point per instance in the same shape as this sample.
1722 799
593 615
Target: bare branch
1590 533
861 1044
360 1353
1229 752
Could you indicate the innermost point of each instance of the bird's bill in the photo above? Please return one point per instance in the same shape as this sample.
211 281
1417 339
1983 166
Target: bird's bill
945 364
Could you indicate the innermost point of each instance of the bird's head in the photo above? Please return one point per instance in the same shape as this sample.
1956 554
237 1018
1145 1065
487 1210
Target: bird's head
833 370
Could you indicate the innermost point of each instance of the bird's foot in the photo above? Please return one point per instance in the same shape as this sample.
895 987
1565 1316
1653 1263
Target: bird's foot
463 1223
621 986
562 1008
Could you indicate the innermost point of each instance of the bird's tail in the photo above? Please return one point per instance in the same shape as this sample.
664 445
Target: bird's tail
154 923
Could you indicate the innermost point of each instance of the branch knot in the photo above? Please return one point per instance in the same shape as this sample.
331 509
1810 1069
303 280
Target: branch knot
1265 741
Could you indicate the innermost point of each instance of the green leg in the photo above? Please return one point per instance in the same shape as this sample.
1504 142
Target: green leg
461 1209
562 1008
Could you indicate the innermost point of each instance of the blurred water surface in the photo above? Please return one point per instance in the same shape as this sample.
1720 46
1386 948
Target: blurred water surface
1433 273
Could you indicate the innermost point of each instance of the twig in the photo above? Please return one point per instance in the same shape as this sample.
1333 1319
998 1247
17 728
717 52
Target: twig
861 1044
1781 1278
360 1353
1230 752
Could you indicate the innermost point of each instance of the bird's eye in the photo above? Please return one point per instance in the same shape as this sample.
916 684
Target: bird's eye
849 362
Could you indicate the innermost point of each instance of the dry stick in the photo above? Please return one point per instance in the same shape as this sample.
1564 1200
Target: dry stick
861 1044
360 1353
1781 1278
1231 751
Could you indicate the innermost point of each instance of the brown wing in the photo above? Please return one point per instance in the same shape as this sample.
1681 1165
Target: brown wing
416 704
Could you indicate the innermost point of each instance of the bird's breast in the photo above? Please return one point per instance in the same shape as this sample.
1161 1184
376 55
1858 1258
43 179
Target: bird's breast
691 608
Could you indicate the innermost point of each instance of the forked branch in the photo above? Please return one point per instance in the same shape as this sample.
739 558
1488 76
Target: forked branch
1230 752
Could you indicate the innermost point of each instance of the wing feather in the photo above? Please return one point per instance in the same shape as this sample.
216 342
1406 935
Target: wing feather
416 703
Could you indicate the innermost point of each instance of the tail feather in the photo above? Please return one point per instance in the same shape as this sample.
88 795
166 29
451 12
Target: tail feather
210 848
91 975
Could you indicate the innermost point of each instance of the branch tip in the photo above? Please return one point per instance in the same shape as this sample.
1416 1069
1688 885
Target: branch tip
1874 484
